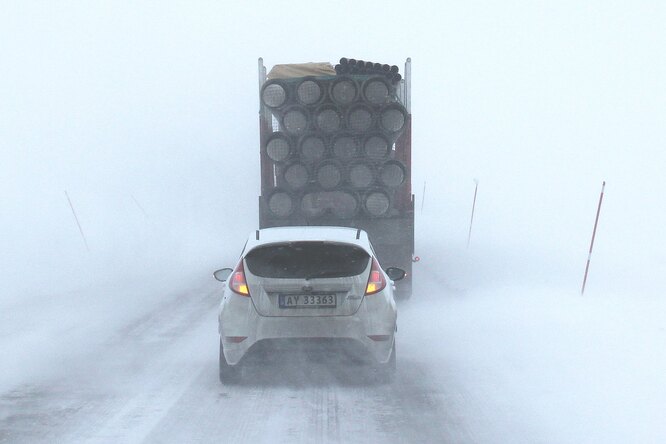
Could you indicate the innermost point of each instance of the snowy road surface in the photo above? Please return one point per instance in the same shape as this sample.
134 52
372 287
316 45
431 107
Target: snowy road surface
509 365
156 381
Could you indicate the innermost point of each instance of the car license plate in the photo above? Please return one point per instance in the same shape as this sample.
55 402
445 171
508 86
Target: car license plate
307 300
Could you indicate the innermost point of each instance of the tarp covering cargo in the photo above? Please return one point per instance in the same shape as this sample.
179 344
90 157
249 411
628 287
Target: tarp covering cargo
292 70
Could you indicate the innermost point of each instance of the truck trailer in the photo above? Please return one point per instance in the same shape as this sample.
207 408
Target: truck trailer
335 148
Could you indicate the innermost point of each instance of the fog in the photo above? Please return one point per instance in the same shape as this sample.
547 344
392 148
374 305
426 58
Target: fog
146 116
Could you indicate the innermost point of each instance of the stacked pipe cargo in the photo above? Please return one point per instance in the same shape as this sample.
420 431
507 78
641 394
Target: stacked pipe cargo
353 66
333 152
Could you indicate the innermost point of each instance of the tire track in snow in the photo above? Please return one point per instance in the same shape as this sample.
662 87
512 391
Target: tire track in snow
157 382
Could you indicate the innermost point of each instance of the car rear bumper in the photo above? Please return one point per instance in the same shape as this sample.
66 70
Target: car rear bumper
372 328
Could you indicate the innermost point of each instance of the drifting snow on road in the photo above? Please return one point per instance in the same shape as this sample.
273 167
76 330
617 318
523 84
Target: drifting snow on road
508 365
156 381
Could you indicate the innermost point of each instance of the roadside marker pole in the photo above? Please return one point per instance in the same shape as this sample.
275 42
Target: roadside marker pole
594 232
77 221
140 207
471 220
423 197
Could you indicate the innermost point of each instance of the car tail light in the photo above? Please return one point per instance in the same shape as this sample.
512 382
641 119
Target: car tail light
237 283
376 281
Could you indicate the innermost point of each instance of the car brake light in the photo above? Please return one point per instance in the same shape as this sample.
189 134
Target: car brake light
376 281
237 283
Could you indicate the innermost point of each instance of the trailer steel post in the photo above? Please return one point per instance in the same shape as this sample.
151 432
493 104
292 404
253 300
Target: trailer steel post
594 233
262 79
408 84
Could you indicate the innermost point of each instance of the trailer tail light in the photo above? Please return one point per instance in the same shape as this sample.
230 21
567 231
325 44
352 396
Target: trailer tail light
237 283
235 339
376 281
379 338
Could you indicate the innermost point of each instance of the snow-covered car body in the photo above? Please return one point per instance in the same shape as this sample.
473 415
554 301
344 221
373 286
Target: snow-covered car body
307 283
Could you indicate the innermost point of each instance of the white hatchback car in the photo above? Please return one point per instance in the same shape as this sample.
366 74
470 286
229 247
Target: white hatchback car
313 285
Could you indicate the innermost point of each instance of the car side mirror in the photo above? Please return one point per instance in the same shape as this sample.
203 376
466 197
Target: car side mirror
395 273
223 274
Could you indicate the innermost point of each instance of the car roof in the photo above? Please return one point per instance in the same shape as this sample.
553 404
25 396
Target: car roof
308 233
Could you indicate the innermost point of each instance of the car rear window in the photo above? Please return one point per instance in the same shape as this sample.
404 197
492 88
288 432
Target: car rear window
307 260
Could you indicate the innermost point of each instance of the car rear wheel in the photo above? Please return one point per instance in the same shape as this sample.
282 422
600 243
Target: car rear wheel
229 374
386 372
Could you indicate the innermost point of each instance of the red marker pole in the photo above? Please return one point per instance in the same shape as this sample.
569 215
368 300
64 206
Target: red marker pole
594 232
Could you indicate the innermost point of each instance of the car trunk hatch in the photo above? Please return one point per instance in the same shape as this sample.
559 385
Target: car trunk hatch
307 278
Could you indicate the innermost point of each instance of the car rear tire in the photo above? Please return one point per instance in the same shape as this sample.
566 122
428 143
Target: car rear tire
386 372
229 374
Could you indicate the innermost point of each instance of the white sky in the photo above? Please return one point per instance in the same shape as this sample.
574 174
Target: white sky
157 101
